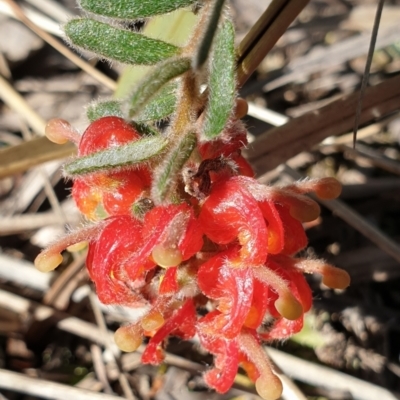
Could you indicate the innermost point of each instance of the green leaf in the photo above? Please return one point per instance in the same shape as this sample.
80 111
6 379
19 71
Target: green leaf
145 129
167 174
174 28
212 24
122 156
155 80
101 109
161 106
222 84
117 44
133 9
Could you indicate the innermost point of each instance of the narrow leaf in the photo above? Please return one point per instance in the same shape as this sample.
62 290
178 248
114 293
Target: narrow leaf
161 106
101 109
145 129
130 154
133 9
167 173
155 80
222 84
209 32
174 28
117 44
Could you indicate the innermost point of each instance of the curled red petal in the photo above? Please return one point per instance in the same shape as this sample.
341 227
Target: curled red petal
231 212
233 288
182 320
107 254
226 352
276 231
284 266
259 305
176 225
283 329
169 283
221 377
295 238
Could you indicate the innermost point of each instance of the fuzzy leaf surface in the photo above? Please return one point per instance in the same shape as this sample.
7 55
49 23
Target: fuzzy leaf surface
212 25
101 109
222 84
133 9
145 129
154 81
117 44
122 156
161 106
167 173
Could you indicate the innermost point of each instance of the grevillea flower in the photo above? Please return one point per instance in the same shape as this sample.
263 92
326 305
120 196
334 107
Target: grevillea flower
114 192
218 261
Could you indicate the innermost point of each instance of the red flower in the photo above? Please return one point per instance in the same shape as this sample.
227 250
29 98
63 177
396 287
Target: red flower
230 213
232 287
116 191
243 276
107 260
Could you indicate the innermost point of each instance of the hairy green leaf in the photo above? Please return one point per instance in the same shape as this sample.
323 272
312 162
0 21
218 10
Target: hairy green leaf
174 28
155 80
122 156
145 129
161 106
101 109
167 174
222 83
133 9
117 44
201 54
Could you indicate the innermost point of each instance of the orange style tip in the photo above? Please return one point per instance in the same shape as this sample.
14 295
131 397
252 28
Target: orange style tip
269 387
289 307
242 108
152 322
305 212
337 279
57 130
166 257
77 247
126 340
328 189
45 262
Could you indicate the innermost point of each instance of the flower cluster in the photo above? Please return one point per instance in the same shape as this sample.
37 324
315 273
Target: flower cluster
217 260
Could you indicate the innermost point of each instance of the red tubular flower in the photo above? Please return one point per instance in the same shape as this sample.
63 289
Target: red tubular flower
116 190
232 287
107 258
181 323
104 133
172 233
231 212
244 277
226 361
87 198
286 234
